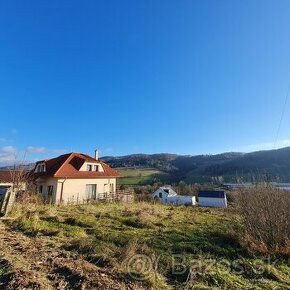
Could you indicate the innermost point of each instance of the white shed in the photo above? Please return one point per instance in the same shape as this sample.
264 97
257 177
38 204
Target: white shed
212 198
167 195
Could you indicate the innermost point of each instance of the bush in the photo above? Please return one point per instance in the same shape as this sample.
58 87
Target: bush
265 212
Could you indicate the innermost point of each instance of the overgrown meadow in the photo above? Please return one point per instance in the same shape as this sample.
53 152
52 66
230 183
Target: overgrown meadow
162 247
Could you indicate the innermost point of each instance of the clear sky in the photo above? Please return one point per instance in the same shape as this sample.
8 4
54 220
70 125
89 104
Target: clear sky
148 76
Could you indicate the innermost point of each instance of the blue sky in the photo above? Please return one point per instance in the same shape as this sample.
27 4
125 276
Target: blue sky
149 76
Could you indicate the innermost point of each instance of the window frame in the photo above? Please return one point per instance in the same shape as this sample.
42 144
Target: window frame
92 193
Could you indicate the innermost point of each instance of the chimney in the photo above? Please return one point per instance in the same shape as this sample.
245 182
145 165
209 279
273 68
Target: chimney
97 154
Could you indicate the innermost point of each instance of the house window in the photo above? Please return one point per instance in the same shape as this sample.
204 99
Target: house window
89 167
111 187
40 189
50 190
96 167
160 194
91 190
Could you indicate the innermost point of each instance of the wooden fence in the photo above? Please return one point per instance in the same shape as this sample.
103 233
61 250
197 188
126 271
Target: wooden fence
124 196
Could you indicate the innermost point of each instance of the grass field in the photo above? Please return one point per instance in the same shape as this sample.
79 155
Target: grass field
140 176
156 245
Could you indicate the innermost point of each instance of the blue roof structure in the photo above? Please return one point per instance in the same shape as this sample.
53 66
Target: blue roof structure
211 194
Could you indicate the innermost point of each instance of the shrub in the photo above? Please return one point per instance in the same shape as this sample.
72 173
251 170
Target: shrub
265 213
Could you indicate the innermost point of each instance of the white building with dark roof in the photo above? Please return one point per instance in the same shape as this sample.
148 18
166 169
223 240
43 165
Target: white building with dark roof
212 198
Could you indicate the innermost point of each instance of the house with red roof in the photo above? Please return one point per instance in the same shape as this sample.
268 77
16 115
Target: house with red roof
12 179
6 181
74 178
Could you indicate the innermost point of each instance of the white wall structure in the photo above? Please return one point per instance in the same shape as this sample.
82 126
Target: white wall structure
73 191
167 195
212 199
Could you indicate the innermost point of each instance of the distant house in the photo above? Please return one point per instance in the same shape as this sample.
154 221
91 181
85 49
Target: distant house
74 178
6 181
12 178
167 195
6 178
212 198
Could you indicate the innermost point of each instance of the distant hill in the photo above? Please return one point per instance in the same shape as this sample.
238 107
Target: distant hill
161 161
230 166
18 167
272 164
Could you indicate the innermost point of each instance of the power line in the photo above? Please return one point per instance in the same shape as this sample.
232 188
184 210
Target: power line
282 116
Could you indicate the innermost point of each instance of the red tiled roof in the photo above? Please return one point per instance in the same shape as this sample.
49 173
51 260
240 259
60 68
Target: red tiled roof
68 165
10 176
6 176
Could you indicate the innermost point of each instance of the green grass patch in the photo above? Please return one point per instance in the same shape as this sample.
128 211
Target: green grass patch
141 176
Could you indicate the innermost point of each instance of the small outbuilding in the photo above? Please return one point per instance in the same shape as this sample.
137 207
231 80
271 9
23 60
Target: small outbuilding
167 195
212 198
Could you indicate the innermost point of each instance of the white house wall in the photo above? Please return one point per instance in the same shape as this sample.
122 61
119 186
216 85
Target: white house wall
74 190
212 202
180 200
45 183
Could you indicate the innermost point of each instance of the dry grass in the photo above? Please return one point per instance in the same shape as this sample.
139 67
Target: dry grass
265 212
111 235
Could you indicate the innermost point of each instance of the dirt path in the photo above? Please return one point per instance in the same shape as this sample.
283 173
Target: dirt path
37 263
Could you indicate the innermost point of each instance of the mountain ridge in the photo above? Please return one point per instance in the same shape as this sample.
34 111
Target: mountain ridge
275 164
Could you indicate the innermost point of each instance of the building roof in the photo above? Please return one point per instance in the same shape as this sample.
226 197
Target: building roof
6 176
168 190
10 176
211 194
68 165
165 189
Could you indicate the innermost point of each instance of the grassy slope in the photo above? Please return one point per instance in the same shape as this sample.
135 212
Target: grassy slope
132 176
110 234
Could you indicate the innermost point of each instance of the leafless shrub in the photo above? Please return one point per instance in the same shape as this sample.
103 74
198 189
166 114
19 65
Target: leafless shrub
23 188
265 212
186 189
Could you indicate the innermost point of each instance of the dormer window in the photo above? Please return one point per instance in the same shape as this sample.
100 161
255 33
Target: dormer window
40 167
92 167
